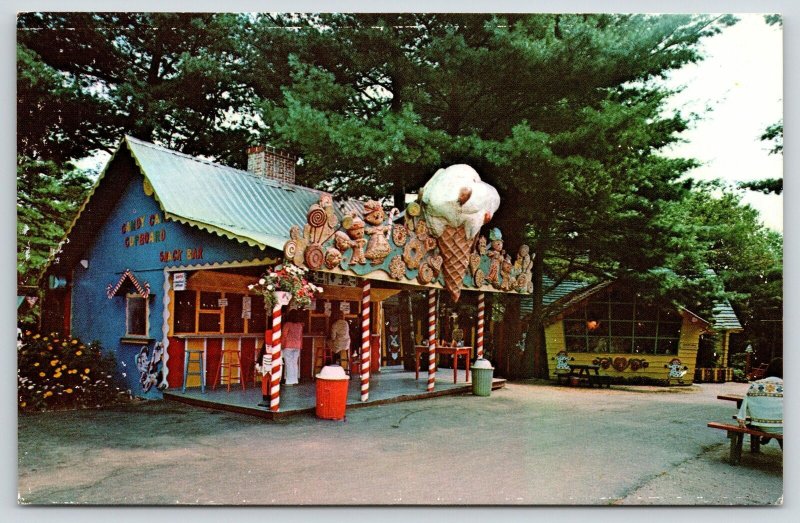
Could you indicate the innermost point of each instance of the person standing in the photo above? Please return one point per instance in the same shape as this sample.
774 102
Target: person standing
762 406
292 341
340 337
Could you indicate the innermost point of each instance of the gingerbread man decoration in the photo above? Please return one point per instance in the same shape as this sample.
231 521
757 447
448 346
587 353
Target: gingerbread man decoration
355 231
378 247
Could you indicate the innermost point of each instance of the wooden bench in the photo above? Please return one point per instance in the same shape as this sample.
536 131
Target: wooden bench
736 435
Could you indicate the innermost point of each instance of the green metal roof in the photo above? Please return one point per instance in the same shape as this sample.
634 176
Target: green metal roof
220 199
725 317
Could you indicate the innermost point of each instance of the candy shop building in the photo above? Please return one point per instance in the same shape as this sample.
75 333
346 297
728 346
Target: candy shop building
163 255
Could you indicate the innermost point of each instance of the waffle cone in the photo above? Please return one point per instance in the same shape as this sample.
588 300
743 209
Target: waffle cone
454 247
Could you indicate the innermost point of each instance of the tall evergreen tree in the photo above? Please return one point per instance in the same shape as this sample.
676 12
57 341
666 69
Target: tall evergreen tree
746 257
564 114
177 79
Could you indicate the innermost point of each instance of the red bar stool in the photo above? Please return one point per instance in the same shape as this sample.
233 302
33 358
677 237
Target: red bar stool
324 356
229 360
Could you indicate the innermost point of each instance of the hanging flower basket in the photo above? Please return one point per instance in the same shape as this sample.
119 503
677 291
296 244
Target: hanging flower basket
286 284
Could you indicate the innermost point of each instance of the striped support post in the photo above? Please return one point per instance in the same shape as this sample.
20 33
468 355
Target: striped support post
276 369
481 309
365 348
431 338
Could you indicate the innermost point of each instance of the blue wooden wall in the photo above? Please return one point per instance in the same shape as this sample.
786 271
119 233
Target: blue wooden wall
94 315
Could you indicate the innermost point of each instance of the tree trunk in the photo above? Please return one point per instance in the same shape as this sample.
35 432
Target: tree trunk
536 338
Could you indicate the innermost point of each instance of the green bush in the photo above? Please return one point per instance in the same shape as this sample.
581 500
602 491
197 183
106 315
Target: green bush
739 362
55 372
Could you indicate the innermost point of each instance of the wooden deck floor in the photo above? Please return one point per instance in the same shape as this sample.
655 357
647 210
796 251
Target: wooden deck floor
392 384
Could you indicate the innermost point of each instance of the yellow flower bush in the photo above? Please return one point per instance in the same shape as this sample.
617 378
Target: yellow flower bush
66 386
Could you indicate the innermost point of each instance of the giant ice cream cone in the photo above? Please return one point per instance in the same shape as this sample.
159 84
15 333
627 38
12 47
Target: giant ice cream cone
456 203
454 247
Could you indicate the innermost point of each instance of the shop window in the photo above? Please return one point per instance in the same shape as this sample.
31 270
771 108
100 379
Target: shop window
209 317
210 300
619 322
184 309
208 322
211 312
233 313
258 316
135 315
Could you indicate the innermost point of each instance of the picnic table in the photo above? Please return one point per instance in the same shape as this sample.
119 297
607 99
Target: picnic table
738 398
455 352
588 374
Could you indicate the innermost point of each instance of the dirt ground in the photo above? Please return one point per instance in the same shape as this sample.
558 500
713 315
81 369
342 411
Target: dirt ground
531 443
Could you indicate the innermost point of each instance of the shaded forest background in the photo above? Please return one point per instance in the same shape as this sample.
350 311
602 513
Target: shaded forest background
564 114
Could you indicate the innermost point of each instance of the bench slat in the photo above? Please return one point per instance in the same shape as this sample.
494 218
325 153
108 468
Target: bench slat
744 430
736 435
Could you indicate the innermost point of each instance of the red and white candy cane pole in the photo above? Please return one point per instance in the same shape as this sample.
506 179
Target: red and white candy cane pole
431 338
276 369
481 310
365 348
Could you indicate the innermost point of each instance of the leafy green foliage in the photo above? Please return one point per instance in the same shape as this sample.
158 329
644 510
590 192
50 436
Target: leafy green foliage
47 198
172 78
563 113
774 134
56 372
746 257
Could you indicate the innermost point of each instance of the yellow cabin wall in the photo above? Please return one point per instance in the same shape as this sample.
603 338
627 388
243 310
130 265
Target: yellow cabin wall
687 353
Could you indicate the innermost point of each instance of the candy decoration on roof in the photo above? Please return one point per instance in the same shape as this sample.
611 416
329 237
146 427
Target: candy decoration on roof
378 247
436 242
142 290
456 204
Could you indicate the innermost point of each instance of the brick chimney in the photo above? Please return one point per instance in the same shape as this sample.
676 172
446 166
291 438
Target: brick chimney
270 163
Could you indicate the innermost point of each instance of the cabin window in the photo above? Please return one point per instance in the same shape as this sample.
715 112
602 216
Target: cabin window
209 315
621 322
234 322
135 315
202 312
185 307
258 316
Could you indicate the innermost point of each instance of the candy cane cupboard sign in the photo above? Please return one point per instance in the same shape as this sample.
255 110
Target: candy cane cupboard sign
144 230
143 237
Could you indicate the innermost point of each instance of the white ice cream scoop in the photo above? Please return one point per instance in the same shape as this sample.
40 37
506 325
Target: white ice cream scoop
456 196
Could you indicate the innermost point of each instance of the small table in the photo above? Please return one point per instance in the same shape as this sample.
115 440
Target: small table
732 397
455 352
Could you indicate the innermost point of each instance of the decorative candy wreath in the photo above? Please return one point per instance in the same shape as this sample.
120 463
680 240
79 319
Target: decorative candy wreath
425 275
397 267
413 253
605 363
637 364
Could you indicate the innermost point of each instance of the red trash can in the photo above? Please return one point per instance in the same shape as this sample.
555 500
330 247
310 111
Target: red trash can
332 384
